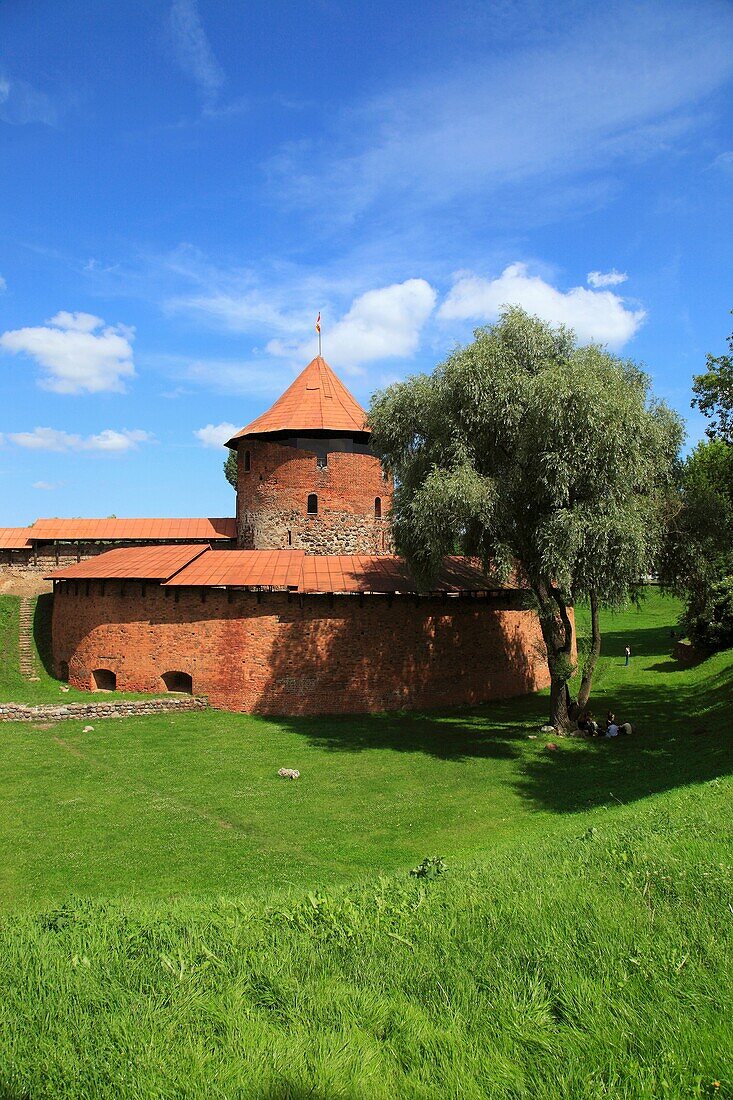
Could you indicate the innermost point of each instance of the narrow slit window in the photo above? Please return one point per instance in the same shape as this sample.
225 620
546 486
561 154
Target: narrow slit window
312 504
247 462
377 507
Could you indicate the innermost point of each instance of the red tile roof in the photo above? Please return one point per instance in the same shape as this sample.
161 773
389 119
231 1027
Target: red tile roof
14 538
143 563
316 401
243 568
90 530
363 573
196 566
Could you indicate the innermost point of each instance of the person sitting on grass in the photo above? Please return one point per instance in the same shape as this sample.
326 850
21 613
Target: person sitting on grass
626 728
611 727
587 724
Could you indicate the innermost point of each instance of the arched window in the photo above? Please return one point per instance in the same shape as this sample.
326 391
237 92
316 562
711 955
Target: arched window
247 462
312 504
178 681
64 671
104 679
377 507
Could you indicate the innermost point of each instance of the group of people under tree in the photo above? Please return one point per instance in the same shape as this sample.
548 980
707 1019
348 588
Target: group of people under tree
612 728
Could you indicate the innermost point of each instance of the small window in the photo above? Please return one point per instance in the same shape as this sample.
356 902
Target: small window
312 505
104 679
290 538
322 461
247 462
377 507
178 681
64 671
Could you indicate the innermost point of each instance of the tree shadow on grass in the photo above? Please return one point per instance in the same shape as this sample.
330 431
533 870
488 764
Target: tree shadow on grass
682 737
644 641
460 735
42 630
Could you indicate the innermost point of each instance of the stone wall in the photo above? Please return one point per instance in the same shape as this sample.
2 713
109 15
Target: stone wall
272 501
276 653
17 712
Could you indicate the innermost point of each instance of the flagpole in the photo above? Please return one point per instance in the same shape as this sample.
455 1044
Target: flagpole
318 330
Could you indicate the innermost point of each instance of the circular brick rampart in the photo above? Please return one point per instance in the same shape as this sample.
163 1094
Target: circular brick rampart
275 653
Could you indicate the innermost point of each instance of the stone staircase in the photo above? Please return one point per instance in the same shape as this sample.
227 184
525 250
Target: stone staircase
26 645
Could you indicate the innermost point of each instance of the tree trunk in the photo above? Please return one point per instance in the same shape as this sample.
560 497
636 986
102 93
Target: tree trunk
559 714
591 661
557 632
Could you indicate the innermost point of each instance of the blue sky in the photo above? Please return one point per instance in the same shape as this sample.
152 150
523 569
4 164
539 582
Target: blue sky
185 183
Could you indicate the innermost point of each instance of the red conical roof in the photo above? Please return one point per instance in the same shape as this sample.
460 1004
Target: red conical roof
316 401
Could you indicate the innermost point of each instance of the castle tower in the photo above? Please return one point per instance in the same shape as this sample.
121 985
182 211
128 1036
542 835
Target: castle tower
306 476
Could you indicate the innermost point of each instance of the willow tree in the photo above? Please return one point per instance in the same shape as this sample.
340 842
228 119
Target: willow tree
230 469
536 455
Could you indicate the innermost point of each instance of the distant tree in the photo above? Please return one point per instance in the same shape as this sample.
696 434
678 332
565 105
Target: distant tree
538 455
230 469
698 553
714 394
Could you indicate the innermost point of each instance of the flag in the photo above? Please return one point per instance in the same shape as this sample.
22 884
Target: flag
318 323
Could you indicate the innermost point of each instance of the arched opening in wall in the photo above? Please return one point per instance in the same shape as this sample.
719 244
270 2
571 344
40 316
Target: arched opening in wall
104 679
178 681
312 504
377 507
247 462
64 671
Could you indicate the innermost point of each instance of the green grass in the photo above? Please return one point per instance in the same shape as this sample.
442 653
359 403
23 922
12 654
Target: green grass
47 689
592 965
190 805
180 922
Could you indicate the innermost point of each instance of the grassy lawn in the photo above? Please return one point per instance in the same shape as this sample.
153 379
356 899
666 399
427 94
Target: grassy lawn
180 922
13 688
190 805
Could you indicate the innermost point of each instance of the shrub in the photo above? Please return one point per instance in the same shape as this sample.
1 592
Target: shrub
712 626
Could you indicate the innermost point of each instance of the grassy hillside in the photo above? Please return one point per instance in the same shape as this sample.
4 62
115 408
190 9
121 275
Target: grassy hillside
593 965
191 804
179 921
13 687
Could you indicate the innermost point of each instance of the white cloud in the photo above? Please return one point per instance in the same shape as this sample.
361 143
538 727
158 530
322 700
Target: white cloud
530 114
53 439
595 315
216 435
240 311
232 377
194 52
76 322
724 161
110 440
381 324
21 103
75 357
606 278
46 485
3 284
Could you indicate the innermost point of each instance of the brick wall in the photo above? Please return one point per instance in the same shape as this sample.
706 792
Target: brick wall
272 501
300 655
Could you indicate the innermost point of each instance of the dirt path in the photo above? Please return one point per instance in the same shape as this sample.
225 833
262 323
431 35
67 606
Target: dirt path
145 788
26 645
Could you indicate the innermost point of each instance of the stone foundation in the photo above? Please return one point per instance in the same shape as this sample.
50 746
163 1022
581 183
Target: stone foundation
17 712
